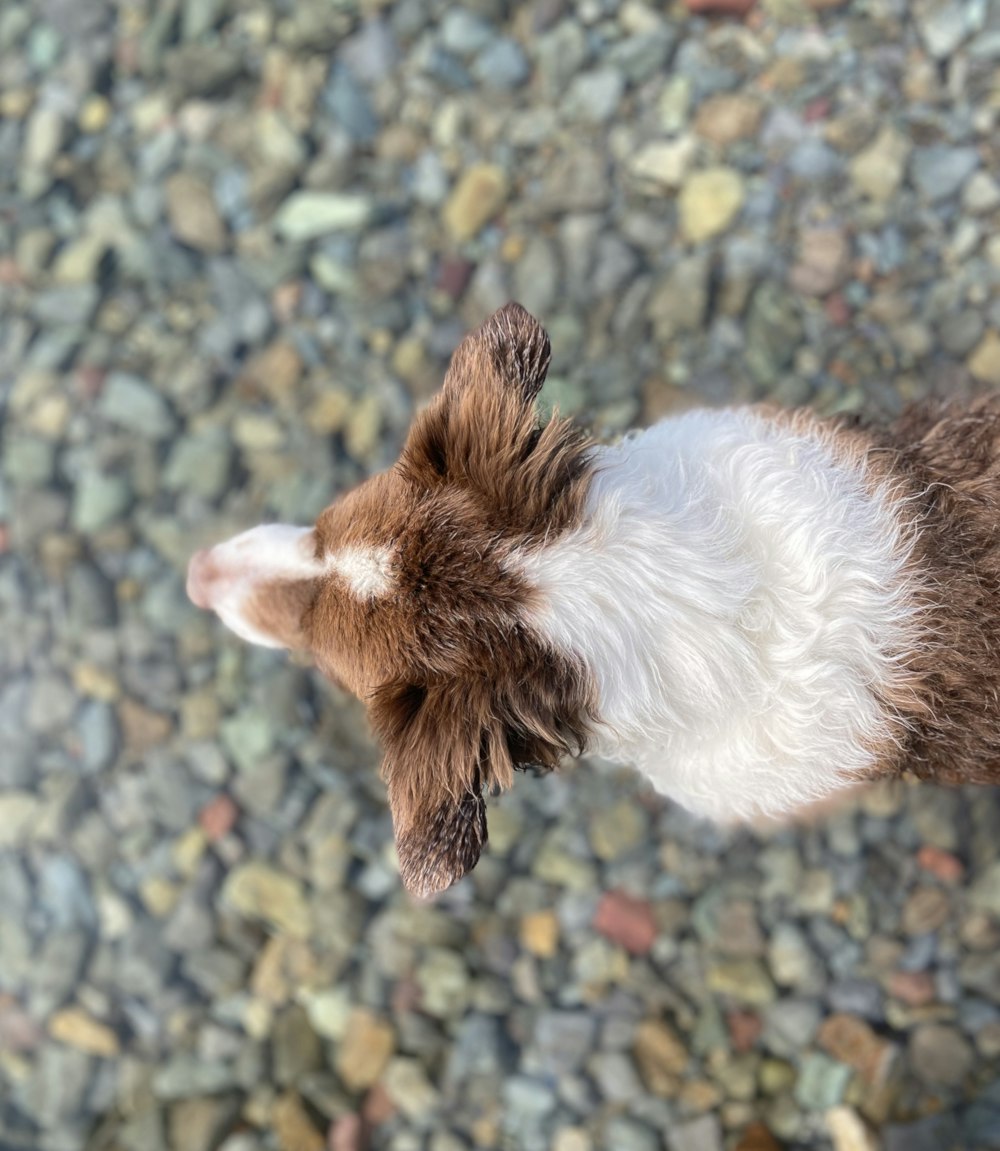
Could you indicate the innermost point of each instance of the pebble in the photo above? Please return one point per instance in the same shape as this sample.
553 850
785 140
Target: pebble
664 165
308 215
193 215
367 1045
940 1055
984 361
939 171
260 892
708 202
477 197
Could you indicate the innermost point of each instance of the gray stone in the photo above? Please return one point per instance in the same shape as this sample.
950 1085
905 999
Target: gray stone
98 500
821 1083
939 171
701 1134
97 726
70 306
350 106
628 1135
561 1042
594 96
133 403
464 32
940 1055
790 1025
501 66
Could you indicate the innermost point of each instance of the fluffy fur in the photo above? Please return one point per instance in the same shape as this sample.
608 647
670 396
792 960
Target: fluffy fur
756 608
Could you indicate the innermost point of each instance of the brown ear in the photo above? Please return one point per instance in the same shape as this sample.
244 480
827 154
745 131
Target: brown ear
511 349
440 752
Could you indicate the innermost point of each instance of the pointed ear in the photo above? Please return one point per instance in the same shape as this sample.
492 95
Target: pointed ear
483 422
259 583
439 755
511 349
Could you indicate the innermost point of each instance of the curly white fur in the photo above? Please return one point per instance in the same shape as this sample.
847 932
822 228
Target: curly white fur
740 591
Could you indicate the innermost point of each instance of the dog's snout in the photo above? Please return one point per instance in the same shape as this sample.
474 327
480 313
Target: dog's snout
199 578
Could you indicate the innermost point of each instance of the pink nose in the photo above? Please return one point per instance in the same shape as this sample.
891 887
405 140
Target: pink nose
199 578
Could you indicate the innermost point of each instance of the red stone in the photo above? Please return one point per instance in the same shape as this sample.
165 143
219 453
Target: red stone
626 921
744 1030
837 309
914 988
454 275
218 817
378 1106
941 864
346 1134
816 110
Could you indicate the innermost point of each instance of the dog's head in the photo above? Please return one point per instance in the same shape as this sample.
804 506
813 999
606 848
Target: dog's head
408 592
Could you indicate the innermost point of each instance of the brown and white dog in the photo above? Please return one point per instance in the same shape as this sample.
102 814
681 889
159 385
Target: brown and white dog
756 608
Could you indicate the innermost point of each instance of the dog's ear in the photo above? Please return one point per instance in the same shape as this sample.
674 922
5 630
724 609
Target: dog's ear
510 350
441 750
482 426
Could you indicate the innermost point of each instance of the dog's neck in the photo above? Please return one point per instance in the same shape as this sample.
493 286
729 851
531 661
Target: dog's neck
725 559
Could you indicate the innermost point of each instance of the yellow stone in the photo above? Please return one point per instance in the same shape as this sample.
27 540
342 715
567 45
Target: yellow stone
50 416
95 115
477 197
15 103
660 1056
159 896
540 934
368 1045
200 714
708 203
293 1127
76 1028
95 682
329 412
984 363
188 850
258 891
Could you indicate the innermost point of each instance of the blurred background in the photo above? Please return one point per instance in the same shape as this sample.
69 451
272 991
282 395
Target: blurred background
238 242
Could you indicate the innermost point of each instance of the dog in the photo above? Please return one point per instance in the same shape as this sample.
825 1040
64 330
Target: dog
757 608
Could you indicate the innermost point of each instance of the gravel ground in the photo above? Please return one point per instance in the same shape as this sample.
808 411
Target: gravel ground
238 241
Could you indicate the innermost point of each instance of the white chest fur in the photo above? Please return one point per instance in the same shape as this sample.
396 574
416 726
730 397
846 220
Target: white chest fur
739 590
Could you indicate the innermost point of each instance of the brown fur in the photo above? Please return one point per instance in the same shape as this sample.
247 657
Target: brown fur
947 458
458 692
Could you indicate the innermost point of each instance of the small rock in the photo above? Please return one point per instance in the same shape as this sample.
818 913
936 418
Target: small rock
539 934
133 403
74 1027
927 909
821 1083
661 1057
981 195
940 1055
850 1040
877 171
822 261
502 66
709 202
914 988
984 362
726 117
194 218
626 921
308 215
293 1127
849 1131
741 980
939 171
258 891
593 97
701 1134
98 500
367 1046
617 830
663 165
477 197
409 1088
